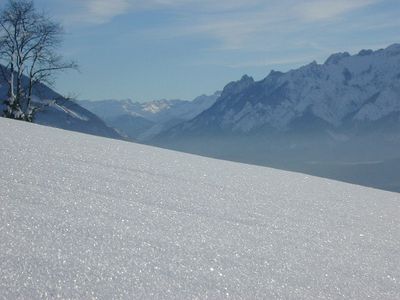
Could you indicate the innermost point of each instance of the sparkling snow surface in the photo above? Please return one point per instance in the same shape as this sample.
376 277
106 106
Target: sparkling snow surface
86 217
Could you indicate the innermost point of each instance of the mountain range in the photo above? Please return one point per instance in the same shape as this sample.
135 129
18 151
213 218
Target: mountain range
339 119
143 121
346 91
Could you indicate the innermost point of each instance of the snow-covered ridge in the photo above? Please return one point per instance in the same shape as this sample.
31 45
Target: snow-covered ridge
63 113
346 89
88 217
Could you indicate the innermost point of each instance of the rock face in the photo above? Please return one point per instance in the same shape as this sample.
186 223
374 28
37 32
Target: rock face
63 113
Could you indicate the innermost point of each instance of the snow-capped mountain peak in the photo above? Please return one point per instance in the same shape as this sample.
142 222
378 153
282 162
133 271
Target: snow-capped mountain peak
144 120
336 58
238 86
346 88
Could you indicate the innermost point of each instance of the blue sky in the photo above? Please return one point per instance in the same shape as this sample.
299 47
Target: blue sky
152 49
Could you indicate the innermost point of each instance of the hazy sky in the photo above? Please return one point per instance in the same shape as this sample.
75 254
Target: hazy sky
151 49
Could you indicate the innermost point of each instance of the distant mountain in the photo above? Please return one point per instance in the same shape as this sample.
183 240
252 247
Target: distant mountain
345 89
343 98
142 121
336 119
62 113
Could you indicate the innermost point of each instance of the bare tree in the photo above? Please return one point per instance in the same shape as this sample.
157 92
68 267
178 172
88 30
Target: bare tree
28 55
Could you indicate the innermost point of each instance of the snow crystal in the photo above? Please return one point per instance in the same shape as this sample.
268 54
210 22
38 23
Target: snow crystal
86 217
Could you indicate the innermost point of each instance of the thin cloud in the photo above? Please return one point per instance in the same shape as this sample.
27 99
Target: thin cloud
100 11
271 62
322 10
233 24
97 11
103 11
237 29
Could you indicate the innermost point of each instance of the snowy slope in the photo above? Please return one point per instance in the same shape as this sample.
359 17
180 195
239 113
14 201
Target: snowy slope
64 113
88 217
